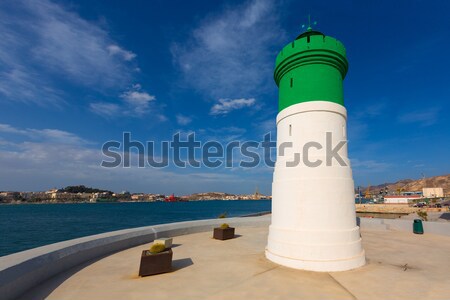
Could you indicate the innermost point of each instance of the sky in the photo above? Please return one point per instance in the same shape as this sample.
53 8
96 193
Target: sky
77 74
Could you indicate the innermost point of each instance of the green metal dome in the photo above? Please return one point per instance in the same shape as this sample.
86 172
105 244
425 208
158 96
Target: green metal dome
311 68
309 33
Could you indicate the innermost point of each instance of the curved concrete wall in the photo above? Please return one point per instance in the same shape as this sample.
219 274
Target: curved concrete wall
22 271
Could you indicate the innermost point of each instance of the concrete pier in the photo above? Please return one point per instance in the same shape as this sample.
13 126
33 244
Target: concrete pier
400 265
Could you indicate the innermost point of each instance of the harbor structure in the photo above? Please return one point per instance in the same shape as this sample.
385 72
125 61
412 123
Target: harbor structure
313 223
401 199
434 192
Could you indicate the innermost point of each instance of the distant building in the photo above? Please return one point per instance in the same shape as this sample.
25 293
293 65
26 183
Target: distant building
61 196
52 191
137 197
433 192
406 193
9 196
100 195
401 199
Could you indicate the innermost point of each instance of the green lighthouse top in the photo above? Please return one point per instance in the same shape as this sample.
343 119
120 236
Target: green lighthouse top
311 68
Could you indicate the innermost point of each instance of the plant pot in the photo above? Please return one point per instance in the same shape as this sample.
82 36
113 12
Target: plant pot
223 234
152 264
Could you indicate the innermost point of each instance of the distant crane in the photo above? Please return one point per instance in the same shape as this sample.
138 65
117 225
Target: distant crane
359 194
257 195
367 194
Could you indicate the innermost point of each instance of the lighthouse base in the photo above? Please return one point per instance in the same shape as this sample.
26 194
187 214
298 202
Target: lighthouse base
314 250
319 265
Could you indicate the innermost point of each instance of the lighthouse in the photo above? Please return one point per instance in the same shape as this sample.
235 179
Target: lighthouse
313 223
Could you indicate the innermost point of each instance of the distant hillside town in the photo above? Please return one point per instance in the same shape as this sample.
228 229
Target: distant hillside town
408 191
80 193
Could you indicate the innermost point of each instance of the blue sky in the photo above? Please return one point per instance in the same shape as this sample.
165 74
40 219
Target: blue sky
75 74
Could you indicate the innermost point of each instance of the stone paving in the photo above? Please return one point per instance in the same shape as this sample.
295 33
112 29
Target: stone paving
400 266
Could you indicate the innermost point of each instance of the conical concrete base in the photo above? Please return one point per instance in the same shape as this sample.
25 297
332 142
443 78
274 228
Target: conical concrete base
313 204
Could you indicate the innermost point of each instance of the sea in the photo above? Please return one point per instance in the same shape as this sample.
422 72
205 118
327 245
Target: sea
27 226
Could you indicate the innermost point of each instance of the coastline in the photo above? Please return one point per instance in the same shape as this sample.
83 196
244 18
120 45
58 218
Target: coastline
118 201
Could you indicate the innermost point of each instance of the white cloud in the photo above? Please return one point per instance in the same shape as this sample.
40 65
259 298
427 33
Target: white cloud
40 165
369 166
46 135
124 54
372 111
137 99
161 117
135 102
223 134
268 125
231 53
105 109
424 117
227 105
42 43
183 120
9 129
56 135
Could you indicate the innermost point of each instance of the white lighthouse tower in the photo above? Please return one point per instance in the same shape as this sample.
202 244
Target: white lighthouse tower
313 207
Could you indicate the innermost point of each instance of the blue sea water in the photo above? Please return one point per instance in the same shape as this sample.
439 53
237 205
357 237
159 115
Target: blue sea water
28 226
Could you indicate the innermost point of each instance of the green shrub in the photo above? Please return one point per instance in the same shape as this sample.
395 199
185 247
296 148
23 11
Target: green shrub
423 215
224 226
222 215
157 248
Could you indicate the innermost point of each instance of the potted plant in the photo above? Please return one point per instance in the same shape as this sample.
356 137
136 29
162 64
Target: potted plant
167 242
224 232
156 260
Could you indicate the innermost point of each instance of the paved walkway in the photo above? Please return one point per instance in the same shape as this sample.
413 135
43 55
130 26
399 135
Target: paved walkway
400 266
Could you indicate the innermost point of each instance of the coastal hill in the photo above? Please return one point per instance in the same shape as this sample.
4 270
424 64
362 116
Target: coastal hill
224 196
82 189
207 196
442 181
